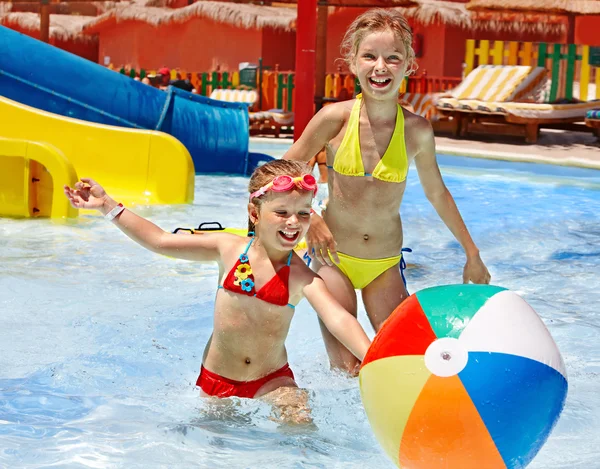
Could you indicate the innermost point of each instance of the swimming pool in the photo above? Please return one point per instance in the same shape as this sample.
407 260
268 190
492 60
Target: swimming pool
102 341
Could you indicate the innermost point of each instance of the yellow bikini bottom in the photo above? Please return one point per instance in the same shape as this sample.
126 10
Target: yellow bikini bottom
361 272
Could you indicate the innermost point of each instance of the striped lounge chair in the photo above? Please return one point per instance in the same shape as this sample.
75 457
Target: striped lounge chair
421 104
271 122
495 83
499 99
235 96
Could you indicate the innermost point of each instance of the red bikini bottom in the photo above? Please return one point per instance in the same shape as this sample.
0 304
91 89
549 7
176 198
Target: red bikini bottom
215 385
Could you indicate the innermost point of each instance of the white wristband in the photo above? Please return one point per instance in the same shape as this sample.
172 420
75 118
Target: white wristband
110 216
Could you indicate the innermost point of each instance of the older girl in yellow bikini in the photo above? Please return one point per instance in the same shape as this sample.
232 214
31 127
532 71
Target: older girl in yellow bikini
370 143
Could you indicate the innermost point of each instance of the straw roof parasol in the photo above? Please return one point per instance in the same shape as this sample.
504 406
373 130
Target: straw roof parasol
249 16
343 3
578 7
433 11
244 16
62 27
453 13
456 14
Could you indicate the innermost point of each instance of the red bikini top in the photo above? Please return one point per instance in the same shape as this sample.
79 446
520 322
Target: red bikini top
240 279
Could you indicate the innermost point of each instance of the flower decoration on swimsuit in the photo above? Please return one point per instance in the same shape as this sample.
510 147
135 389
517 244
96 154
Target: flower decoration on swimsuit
247 285
243 271
243 258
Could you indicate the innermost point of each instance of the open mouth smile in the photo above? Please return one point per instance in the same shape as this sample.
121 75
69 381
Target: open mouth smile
289 236
379 82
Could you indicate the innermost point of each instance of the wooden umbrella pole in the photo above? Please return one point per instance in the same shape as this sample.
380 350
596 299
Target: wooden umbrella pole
321 56
570 28
45 21
306 34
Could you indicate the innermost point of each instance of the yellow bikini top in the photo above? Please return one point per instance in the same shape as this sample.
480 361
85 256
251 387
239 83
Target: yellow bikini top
393 166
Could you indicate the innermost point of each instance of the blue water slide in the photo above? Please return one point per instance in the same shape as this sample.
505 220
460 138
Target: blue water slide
45 77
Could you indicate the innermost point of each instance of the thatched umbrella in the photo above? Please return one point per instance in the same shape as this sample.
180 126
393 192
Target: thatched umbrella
44 16
243 16
335 3
456 14
61 27
578 7
569 8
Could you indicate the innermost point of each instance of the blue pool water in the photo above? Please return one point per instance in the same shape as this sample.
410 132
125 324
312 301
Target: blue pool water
101 341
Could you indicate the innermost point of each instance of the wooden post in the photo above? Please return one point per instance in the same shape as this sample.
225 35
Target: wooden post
570 74
570 28
203 88
306 34
280 87
260 83
585 72
556 53
45 21
321 58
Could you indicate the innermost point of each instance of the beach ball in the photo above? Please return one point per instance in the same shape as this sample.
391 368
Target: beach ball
463 377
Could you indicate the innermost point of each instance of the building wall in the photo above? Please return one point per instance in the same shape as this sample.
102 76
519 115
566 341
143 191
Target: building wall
279 49
111 45
197 45
337 25
435 45
586 30
454 51
87 50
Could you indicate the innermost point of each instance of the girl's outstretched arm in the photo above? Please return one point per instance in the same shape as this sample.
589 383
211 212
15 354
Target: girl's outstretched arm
88 194
343 325
322 128
439 196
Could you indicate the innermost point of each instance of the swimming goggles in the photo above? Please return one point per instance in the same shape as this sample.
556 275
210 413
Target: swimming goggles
285 183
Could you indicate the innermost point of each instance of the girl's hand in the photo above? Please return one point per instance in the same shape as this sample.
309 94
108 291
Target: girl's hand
320 242
476 271
87 194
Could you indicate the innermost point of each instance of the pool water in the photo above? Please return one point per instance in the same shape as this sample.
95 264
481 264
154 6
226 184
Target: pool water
101 341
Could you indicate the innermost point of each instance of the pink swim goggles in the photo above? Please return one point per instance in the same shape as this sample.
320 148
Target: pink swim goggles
286 183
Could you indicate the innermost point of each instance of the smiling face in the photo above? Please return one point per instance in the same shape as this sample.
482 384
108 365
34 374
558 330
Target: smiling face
380 64
282 218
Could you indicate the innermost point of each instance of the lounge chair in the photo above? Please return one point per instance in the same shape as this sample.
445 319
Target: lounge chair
506 100
271 122
421 104
592 120
249 97
495 83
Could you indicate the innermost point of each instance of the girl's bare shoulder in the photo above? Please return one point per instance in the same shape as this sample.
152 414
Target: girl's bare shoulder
339 111
417 125
228 242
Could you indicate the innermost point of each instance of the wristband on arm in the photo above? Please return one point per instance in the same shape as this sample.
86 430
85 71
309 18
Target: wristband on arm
110 216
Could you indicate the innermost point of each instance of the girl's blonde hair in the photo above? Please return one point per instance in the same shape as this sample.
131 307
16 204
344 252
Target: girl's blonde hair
264 174
377 20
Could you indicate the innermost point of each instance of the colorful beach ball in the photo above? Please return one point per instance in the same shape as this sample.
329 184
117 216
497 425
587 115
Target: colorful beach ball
463 377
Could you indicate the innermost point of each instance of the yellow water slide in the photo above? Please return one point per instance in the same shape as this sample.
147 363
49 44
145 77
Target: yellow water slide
41 151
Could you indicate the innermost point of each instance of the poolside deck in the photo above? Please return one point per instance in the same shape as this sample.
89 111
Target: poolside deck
565 148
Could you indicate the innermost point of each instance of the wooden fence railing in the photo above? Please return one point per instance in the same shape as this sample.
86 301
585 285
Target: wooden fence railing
277 86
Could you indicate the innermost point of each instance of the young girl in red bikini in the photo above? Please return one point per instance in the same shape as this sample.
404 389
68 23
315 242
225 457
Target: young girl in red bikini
261 280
